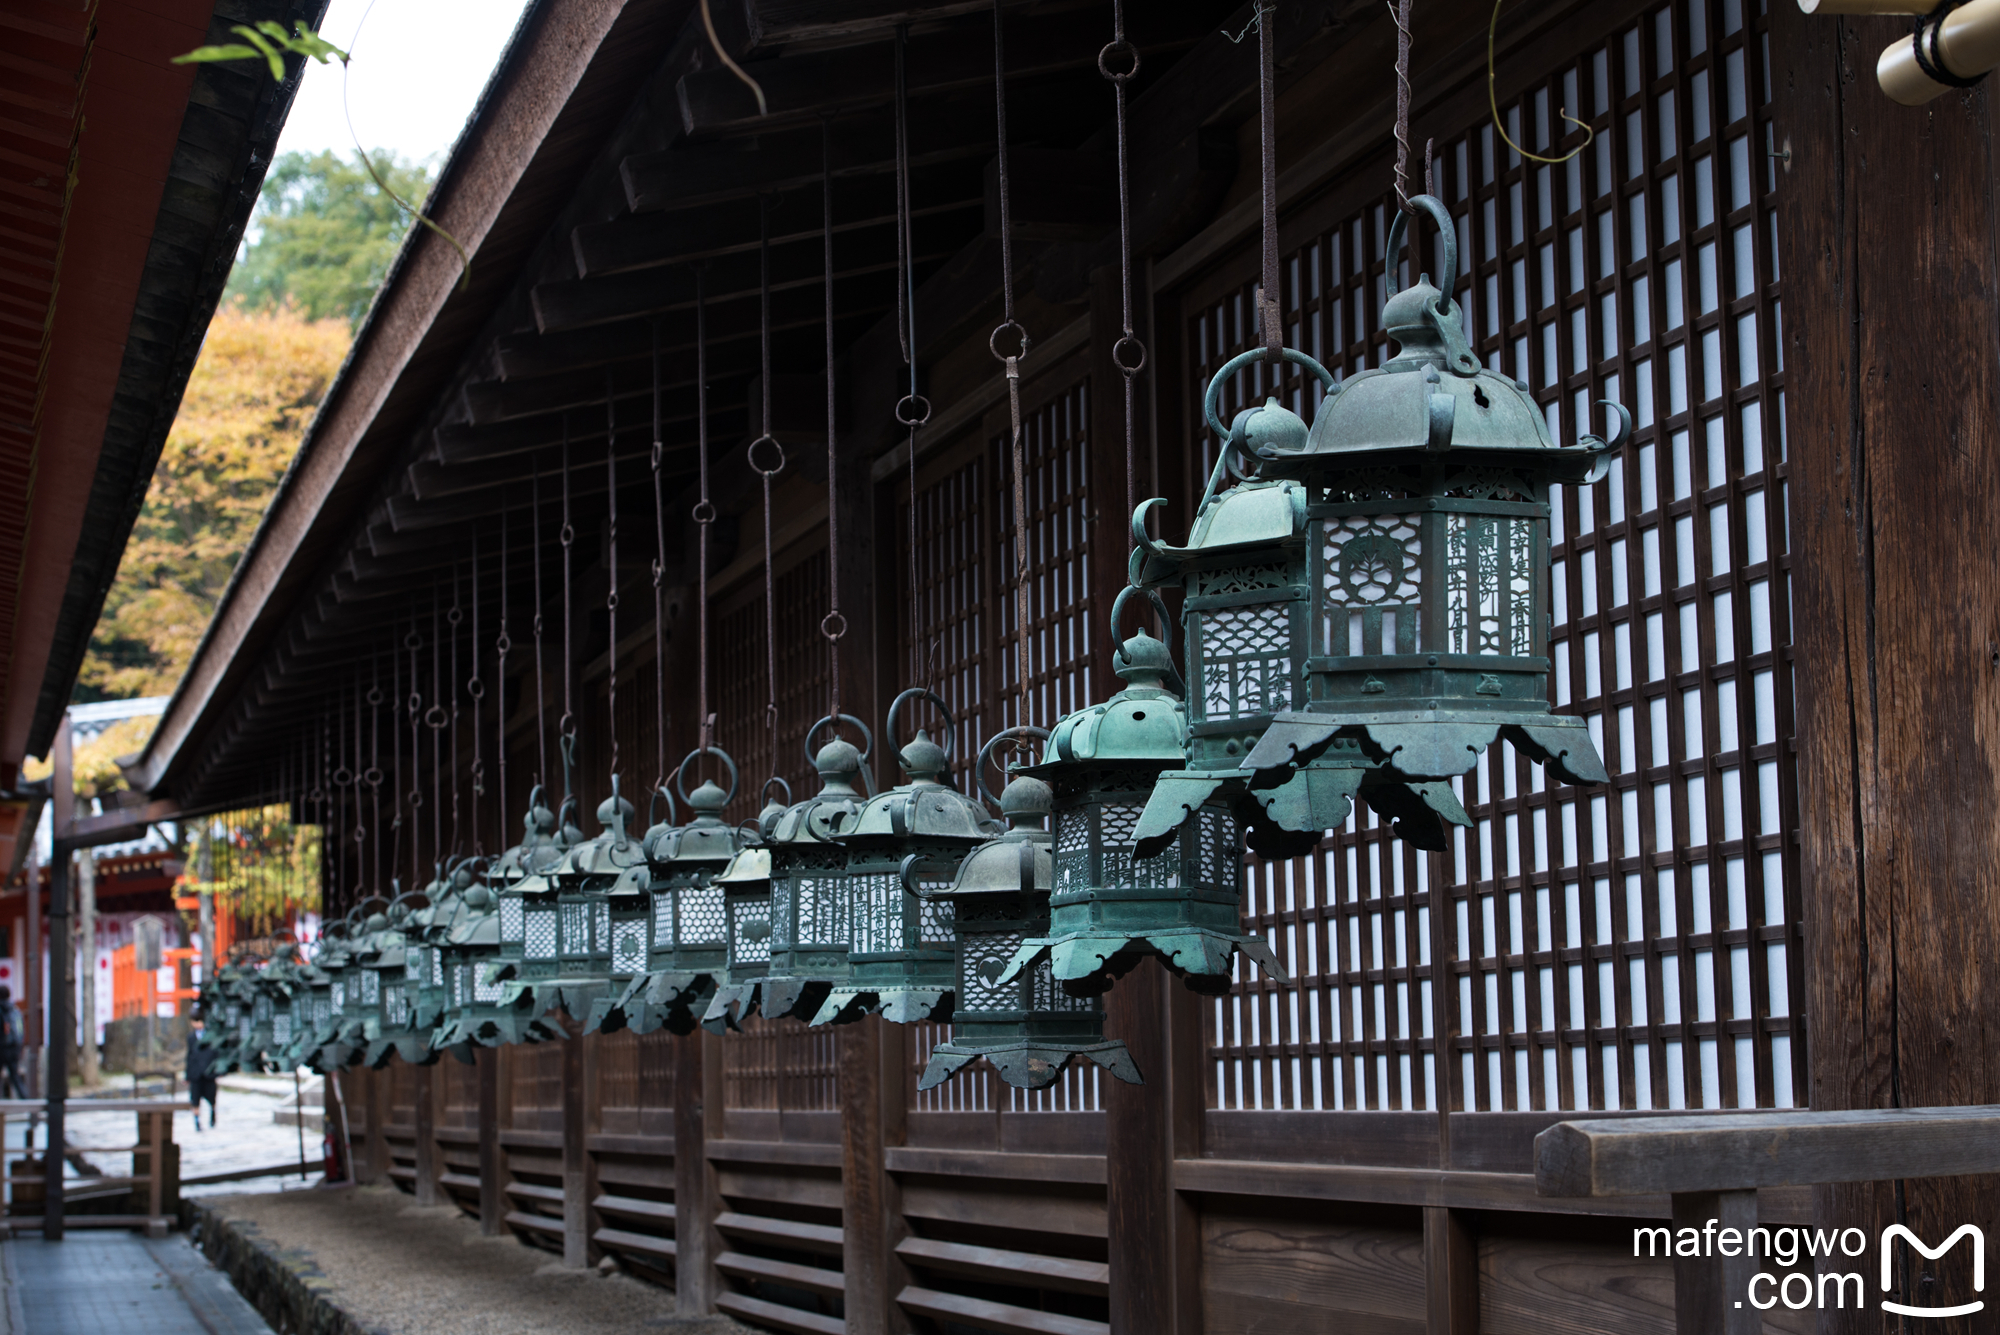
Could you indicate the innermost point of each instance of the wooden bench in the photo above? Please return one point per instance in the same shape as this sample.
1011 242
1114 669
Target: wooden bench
1711 1164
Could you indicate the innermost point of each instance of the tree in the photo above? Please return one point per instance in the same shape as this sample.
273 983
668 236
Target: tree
325 233
253 391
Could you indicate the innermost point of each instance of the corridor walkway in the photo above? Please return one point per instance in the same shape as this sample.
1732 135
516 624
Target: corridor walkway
111 1282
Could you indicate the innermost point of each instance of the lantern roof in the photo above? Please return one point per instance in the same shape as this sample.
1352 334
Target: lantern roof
814 820
923 808
1019 861
1146 723
612 852
705 842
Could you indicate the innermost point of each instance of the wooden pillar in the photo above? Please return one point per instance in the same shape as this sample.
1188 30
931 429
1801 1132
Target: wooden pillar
425 1117
694 1182
1892 365
575 1154
491 1203
377 1089
59 1034
1138 1166
1451 1271
863 1174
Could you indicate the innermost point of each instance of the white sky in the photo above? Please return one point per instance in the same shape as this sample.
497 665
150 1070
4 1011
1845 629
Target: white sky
418 68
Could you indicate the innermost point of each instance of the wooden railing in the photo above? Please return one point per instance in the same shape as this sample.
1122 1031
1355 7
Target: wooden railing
1712 1165
153 1172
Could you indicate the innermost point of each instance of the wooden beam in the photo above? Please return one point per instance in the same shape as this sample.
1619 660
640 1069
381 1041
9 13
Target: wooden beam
695 176
1731 1151
118 825
1054 194
806 87
731 228
773 22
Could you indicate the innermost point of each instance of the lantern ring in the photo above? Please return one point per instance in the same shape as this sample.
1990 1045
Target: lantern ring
986 754
661 790
1128 346
833 625
476 689
1159 610
680 772
454 617
922 693
750 456
413 641
1448 232
765 791
913 410
374 696
435 717
343 777
372 776
1243 359
704 511
993 341
1120 49
867 737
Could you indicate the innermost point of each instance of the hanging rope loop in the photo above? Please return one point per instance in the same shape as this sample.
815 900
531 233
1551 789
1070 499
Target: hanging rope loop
1118 49
1128 354
913 410
773 461
1008 326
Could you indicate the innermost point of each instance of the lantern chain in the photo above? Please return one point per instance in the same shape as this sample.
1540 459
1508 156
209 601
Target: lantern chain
1012 360
566 725
500 646
1269 313
476 688
414 642
766 470
375 760
659 578
704 510
541 686
1128 354
454 619
913 410
437 718
611 558
833 625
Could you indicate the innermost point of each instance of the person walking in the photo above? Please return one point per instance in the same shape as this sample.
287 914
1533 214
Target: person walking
11 1085
200 1074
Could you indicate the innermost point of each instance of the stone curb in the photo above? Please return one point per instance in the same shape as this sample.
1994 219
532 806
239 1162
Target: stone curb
285 1285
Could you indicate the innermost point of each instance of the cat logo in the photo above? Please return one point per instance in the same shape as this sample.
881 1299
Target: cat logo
1894 1231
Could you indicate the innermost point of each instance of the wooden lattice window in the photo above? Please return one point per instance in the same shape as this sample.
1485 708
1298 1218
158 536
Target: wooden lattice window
1634 945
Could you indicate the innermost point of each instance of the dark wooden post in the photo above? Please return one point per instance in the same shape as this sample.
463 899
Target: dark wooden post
57 1034
424 1116
377 1093
575 1153
491 1207
694 1195
870 1217
1886 229
1451 1271
1138 1167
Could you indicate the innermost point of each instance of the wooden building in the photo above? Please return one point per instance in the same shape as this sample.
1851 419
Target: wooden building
1775 614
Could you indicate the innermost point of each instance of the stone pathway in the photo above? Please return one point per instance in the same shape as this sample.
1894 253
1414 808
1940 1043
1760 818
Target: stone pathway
110 1282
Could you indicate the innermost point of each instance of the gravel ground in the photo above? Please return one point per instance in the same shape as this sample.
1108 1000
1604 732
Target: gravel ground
403 1270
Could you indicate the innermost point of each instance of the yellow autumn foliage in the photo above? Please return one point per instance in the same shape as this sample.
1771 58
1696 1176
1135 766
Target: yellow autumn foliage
253 391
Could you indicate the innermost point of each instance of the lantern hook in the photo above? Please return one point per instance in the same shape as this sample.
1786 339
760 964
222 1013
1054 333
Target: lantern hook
1238 362
661 790
1166 625
1012 735
1142 539
680 772
765 791
896 708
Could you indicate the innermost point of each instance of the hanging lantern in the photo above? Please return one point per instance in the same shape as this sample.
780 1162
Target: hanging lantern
477 1012
630 904
583 883
689 948
804 935
358 988
900 959
1368 612
527 958
745 889
1026 1026
1113 906
332 1046
394 1033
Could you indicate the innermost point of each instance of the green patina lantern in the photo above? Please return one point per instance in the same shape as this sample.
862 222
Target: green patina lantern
805 933
584 881
358 988
900 958
1114 904
334 1044
744 886
527 890
1367 611
394 1031
1026 1025
476 1012
689 949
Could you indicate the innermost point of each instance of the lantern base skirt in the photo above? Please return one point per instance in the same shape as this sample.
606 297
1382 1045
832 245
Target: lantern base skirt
793 997
731 1004
413 1048
1431 744
1087 963
1026 1063
901 1005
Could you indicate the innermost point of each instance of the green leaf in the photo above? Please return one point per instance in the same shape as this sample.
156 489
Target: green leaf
310 43
203 55
269 52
